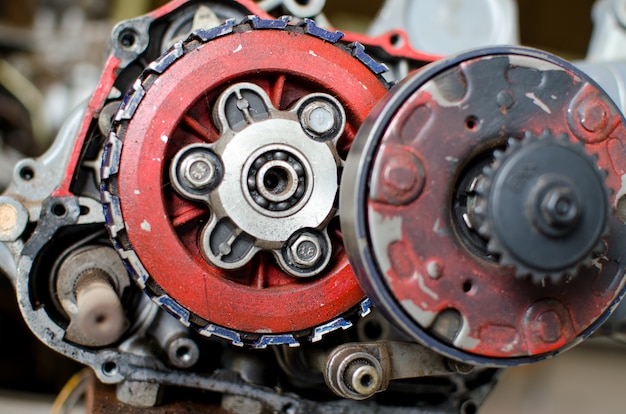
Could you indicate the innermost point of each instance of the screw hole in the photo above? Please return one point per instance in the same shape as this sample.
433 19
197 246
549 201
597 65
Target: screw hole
289 409
471 123
467 286
128 38
366 380
109 368
396 40
27 173
183 353
59 210
84 210
469 407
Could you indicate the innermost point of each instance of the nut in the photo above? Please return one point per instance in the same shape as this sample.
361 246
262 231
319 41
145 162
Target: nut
318 118
198 170
306 250
561 207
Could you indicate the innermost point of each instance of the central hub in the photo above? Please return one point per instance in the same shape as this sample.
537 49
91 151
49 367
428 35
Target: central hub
277 181
273 182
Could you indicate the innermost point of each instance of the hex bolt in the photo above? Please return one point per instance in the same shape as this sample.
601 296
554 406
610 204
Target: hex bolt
561 208
306 250
198 170
318 118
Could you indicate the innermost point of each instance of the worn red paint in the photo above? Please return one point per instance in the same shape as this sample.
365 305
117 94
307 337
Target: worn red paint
259 298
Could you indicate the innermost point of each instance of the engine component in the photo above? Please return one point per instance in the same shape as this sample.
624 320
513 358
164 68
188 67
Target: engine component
89 285
216 144
359 370
491 178
223 175
254 117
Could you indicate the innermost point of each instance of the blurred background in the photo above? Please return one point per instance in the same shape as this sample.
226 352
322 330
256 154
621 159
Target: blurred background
51 56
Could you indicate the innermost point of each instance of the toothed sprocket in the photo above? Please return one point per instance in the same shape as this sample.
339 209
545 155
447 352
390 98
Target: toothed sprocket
543 206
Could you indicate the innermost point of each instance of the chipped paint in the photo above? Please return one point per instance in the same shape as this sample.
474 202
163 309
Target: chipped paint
621 192
424 317
385 230
145 226
238 49
164 138
534 63
312 53
432 89
463 339
425 289
541 104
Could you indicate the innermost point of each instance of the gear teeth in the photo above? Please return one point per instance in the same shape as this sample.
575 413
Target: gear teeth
481 210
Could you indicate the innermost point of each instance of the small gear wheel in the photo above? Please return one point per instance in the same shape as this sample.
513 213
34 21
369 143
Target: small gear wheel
543 206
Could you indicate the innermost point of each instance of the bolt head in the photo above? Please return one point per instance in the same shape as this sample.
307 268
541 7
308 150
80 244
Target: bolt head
593 116
318 118
306 251
198 170
561 207
548 326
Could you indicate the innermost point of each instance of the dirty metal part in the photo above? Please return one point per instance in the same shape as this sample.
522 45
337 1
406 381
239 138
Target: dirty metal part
173 338
359 370
449 26
190 17
408 205
101 398
139 393
34 180
61 196
261 304
550 228
238 404
89 285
